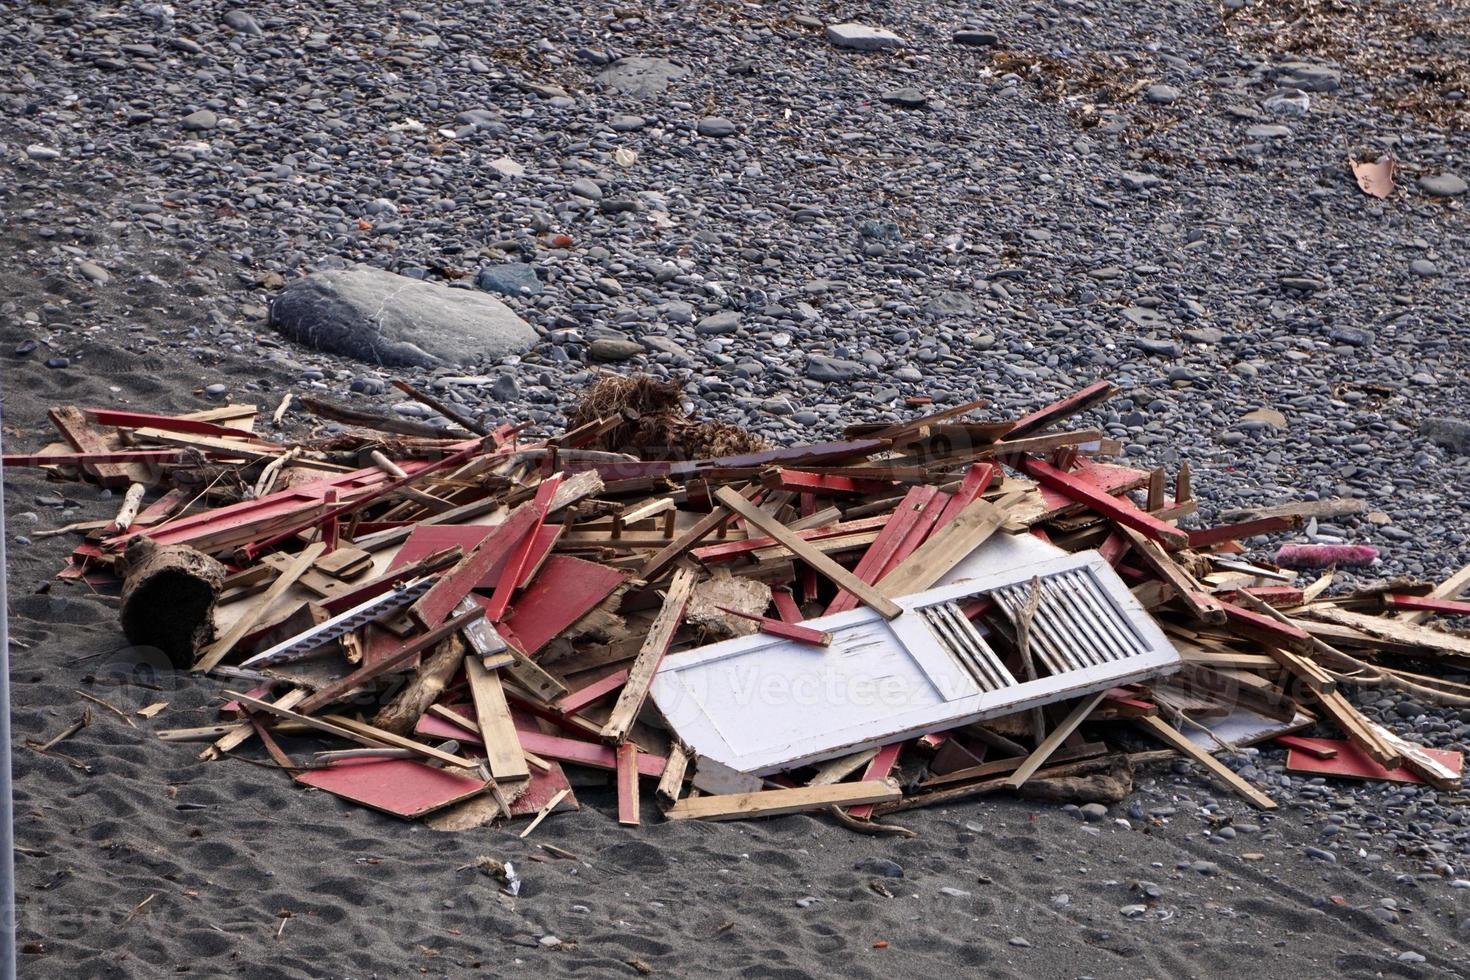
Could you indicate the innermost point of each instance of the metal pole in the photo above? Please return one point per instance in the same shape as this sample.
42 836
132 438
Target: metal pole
7 809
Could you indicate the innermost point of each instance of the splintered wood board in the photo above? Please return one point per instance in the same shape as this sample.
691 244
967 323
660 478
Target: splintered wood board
401 787
760 704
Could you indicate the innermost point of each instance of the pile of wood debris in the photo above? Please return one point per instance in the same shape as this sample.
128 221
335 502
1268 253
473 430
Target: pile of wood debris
923 612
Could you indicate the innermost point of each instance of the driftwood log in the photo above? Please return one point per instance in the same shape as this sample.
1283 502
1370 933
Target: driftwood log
400 715
168 598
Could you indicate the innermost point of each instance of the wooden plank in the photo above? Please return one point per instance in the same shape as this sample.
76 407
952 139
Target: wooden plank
1002 767
1344 760
216 651
1044 418
1317 748
237 734
701 529
801 549
838 769
1054 740
771 803
1190 592
785 630
879 767
403 655
497 728
1358 730
946 548
628 784
1206 537
1448 589
90 459
452 586
671 780
1115 509
650 655
510 578
1427 605
895 531
75 429
592 693
591 754
353 731
1173 739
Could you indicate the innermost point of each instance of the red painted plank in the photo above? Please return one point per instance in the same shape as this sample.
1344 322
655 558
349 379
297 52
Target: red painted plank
510 576
1351 763
547 535
592 693
1108 506
881 765
926 524
786 606
427 539
402 787
565 590
628 784
1448 607
79 459
870 567
456 583
973 485
1080 401
581 753
1307 745
1266 629
167 423
1205 537
824 484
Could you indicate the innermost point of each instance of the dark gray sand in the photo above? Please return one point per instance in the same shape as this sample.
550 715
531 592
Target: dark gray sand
1252 273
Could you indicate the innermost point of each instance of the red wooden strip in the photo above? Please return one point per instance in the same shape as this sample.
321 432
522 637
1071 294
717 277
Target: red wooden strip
1449 607
168 423
403 787
881 765
874 559
786 606
592 693
510 576
1266 629
453 459
1114 548
1308 745
826 485
628 784
79 459
457 582
289 503
565 590
806 574
547 536
787 631
582 753
1276 595
1108 506
1205 537
1094 394
919 533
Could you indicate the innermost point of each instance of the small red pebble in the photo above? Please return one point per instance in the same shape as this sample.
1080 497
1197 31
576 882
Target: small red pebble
881 944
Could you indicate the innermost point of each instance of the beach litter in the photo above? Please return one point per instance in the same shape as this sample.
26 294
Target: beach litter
439 621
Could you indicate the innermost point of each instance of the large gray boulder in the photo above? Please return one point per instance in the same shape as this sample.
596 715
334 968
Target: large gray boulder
393 320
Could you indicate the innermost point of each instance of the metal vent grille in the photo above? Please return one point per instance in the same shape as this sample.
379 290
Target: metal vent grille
1077 624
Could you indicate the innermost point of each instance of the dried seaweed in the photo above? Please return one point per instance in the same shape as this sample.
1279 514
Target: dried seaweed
654 424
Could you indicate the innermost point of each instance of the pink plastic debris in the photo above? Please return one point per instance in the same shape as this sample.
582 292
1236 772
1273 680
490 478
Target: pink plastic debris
1326 555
